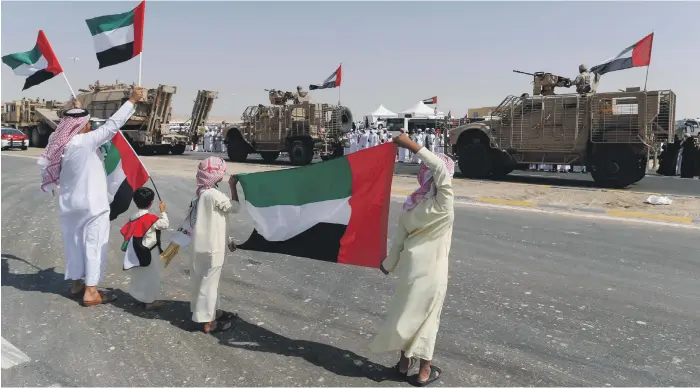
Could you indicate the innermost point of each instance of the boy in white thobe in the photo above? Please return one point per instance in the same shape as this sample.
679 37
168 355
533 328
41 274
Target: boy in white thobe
73 161
210 208
372 139
362 140
141 237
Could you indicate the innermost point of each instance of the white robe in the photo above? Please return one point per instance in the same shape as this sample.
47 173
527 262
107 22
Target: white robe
210 245
419 256
84 201
352 140
372 139
418 138
145 281
362 141
432 139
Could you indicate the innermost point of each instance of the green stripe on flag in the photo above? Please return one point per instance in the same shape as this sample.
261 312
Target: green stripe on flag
298 186
18 59
101 24
112 158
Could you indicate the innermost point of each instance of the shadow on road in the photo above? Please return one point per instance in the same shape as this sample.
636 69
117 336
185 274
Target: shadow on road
243 335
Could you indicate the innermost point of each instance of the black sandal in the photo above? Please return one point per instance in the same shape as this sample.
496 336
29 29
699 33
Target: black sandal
435 374
220 326
411 363
226 316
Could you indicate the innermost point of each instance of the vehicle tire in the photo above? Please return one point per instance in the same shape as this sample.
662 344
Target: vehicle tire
237 150
615 167
35 138
475 161
501 164
178 149
301 153
270 156
24 148
339 151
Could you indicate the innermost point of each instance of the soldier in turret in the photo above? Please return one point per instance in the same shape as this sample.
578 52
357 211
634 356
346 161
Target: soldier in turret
586 82
301 96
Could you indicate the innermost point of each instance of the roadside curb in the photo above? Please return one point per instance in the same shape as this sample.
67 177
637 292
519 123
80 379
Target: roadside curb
611 213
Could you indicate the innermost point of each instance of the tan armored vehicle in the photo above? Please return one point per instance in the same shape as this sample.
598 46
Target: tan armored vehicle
36 118
609 133
301 129
147 130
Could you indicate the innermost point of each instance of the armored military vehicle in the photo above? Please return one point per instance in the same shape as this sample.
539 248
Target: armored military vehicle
147 130
609 133
36 118
302 129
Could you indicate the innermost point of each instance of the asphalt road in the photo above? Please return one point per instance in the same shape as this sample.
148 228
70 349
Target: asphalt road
534 299
652 183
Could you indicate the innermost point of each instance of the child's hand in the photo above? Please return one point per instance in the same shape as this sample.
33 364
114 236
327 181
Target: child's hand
162 206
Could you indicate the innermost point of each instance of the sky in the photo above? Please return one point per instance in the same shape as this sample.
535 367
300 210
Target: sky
393 53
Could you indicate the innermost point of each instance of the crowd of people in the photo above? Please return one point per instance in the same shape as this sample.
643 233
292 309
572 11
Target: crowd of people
371 137
212 140
73 165
680 158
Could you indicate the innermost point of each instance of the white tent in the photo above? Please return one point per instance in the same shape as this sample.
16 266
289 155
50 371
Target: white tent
422 110
382 112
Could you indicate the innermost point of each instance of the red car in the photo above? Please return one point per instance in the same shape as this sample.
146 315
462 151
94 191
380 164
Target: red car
14 138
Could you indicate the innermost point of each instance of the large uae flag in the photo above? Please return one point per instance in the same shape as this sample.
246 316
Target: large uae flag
636 55
38 65
333 81
119 37
125 174
333 211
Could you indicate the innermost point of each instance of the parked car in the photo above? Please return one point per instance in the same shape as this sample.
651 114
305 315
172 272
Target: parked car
14 138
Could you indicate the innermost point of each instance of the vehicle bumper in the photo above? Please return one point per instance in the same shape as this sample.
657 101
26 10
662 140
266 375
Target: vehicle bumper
15 143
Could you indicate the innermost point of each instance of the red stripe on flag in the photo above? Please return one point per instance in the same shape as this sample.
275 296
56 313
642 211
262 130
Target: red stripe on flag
135 172
139 15
364 241
641 54
46 50
338 75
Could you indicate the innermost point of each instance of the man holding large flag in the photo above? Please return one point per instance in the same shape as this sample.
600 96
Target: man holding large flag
73 160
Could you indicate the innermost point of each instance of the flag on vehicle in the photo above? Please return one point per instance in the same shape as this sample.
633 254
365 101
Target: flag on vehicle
38 65
637 55
125 174
118 37
331 82
430 101
334 211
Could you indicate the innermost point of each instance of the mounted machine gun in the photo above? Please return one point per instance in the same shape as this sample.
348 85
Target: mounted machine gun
544 83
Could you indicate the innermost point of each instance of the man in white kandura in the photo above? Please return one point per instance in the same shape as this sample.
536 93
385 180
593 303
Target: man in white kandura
73 161
419 255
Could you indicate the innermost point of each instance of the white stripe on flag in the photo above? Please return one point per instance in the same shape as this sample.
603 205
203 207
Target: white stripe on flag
113 38
26 70
115 180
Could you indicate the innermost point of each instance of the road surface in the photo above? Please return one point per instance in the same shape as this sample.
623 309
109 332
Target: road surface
534 299
652 183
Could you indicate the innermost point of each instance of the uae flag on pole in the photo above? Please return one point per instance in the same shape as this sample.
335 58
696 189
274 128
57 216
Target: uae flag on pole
119 37
38 65
430 101
636 55
333 211
331 82
125 174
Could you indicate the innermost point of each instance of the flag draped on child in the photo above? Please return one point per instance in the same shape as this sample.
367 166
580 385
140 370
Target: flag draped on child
118 37
38 65
125 174
333 211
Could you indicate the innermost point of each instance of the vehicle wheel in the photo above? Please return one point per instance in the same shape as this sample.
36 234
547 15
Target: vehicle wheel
501 164
615 167
301 153
339 151
35 138
178 149
270 156
237 150
24 148
475 161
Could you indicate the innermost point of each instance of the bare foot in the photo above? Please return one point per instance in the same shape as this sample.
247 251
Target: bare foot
424 373
91 295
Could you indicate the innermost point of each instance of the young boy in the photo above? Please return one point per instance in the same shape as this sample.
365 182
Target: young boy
141 237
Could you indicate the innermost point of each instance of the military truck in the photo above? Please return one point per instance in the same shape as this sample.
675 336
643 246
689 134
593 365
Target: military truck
302 129
36 118
147 130
609 133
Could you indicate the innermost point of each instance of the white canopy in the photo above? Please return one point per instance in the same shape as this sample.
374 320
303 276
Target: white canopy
382 112
422 110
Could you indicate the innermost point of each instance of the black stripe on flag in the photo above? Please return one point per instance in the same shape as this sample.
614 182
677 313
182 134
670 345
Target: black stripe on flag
37 78
122 200
320 242
614 65
116 55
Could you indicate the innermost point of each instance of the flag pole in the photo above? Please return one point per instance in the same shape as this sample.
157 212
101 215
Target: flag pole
140 65
69 87
646 78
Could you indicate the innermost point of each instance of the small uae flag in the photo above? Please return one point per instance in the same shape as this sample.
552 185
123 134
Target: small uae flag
38 65
333 211
119 37
331 82
125 174
637 55
430 101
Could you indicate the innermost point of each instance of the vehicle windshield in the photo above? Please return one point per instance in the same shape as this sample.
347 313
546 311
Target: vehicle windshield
11 131
394 125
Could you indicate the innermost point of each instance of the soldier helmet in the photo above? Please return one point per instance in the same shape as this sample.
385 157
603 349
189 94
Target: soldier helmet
582 68
299 87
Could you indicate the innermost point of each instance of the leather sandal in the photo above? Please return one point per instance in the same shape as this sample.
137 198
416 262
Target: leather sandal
104 299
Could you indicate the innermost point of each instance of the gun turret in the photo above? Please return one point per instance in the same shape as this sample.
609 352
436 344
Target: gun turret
278 97
544 83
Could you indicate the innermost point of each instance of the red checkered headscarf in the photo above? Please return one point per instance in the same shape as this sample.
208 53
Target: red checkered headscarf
210 172
73 121
427 187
